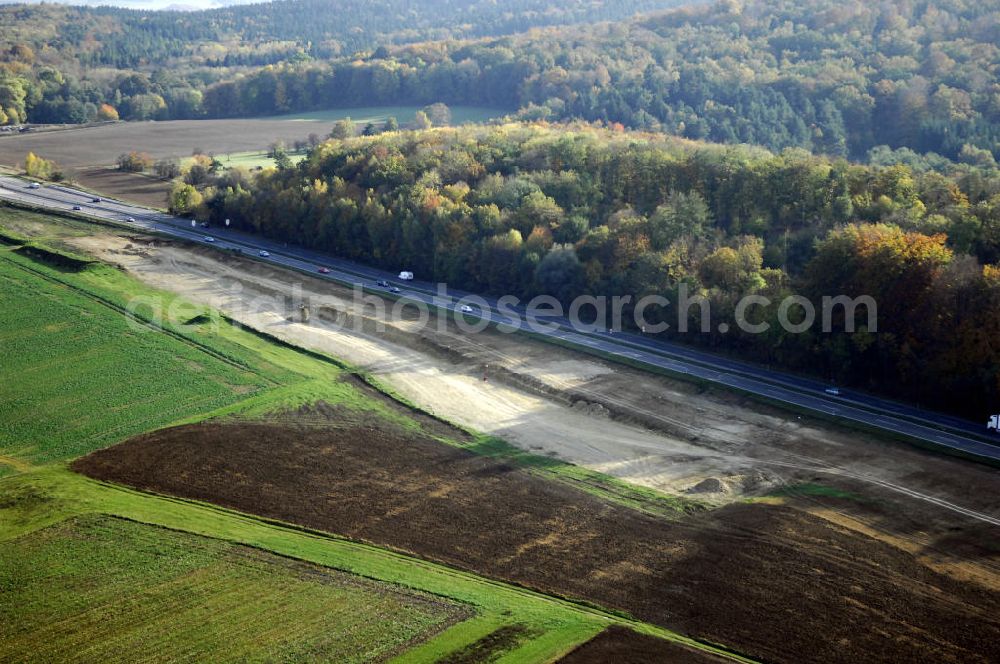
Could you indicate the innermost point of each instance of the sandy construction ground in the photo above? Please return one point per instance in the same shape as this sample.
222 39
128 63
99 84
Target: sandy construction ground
642 428
414 366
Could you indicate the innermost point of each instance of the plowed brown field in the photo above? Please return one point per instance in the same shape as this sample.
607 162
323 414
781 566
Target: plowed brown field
617 644
769 581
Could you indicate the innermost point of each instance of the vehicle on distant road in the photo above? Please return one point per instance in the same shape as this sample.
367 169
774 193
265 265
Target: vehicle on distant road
833 391
324 270
394 289
77 208
96 199
382 284
466 309
994 424
34 185
264 254
209 238
204 224
406 276
130 220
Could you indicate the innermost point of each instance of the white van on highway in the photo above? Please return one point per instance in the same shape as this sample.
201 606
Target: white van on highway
406 276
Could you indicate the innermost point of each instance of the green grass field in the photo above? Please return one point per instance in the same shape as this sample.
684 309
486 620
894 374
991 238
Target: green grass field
86 377
226 602
253 160
78 377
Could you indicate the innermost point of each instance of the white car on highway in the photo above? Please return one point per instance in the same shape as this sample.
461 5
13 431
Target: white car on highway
264 254
209 238
34 185
466 309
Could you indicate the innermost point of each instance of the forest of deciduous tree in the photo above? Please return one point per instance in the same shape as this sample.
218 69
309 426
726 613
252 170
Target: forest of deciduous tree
836 78
531 209
60 63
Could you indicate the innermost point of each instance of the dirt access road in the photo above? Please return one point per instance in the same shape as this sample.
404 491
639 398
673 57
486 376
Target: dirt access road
642 428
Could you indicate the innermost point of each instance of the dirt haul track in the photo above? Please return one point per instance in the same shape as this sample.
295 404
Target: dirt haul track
770 581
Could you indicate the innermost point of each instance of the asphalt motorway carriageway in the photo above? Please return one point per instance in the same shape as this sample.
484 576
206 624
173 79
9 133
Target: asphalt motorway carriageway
880 414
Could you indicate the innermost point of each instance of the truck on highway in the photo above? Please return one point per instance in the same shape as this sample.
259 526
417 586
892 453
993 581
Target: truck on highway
994 424
406 276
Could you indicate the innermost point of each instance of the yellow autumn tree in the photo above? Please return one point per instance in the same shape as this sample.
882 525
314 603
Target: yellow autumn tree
184 198
107 112
37 167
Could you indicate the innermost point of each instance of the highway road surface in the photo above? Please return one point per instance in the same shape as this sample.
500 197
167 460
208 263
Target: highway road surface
933 428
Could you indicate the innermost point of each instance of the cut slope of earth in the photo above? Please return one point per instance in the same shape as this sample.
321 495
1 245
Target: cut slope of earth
770 581
162 595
